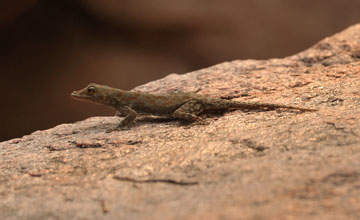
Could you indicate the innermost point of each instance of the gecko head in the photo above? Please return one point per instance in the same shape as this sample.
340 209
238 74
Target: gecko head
93 93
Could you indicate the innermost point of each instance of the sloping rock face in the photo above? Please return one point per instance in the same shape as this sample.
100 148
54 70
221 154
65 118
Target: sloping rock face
241 165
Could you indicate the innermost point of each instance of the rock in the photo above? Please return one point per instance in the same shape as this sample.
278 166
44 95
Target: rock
242 165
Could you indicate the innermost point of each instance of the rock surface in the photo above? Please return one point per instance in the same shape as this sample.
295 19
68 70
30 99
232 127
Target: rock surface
242 165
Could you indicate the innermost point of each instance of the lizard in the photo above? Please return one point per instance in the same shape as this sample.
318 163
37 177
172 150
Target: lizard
179 105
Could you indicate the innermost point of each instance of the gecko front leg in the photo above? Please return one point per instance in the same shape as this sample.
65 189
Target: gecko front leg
129 114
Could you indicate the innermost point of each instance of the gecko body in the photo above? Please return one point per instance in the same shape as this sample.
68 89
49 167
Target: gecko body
185 106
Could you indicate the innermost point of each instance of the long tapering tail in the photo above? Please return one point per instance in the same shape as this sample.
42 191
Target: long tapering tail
228 104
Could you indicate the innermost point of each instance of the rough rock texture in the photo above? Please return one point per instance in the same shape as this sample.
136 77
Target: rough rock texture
243 165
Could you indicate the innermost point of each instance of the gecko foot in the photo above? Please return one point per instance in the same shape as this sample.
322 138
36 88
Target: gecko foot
111 130
117 128
201 121
122 127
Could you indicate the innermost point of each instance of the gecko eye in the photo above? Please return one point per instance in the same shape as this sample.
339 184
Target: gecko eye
91 90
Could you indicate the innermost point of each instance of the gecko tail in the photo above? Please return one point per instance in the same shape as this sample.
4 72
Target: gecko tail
264 106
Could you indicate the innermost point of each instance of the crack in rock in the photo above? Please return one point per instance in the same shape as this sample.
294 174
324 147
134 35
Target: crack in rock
168 181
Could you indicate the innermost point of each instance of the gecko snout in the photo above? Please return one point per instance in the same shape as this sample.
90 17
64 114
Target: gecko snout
75 94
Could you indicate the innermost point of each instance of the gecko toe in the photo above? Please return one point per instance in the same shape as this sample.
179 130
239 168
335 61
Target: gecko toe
200 121
123 127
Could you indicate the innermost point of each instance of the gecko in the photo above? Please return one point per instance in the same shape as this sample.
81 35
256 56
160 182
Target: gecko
179 105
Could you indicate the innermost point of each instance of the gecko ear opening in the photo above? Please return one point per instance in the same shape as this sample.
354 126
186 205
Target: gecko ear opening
91 90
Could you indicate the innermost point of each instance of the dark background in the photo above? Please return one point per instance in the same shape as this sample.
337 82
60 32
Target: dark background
50 48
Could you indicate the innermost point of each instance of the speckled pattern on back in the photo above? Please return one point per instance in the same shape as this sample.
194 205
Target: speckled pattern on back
179 105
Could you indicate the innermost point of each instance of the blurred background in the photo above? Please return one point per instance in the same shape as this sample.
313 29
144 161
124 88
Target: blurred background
50 48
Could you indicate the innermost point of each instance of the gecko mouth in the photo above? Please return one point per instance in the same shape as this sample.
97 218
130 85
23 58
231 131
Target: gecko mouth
78 96
81 97
75 94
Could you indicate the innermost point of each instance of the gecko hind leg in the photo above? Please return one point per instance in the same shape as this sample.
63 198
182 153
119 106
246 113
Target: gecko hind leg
189 111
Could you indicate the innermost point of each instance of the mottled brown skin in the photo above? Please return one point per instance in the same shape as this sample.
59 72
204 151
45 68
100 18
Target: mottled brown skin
179 105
